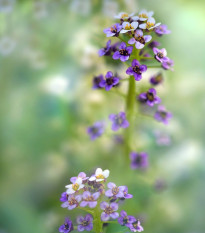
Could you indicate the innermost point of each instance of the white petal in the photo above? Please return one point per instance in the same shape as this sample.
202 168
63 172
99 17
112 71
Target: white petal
151 20
98 171
79 181
81 186
143 26
135 18
124 31
106 173
134 25
125 23
92 178
70 191
68 186
98 180
150 14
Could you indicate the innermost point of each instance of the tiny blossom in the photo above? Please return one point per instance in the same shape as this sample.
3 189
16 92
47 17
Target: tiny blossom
138 160
149 25
81 175
113 30
139 40
156 79
77 185
100 175
64 197
150 97
119 121
160 55
136 226
110 81
114 191
136 70
162 115
73 202
89 199
96 130
126 194
153 44
123 16
144 15
105 51
168 65
125 220
109 211
124 52
128 27
67 226
161 30
96 81
85 223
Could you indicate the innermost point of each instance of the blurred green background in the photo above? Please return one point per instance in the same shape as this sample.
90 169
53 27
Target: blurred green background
48 57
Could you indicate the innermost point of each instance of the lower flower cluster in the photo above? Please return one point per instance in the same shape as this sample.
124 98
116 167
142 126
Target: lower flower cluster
100 201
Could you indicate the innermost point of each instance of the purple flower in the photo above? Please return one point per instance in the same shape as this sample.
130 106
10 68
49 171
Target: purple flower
135 226
113 30
85 223
153 44
139 40
150 97
89 199
126 194
64 197
136 69
105 51
138 160
81 175
67 226
109 210
160 54
161 30
162 115
167 65
125 220
73 202
110 81
96 81
118 121
96 130
156 79
124 52
114 191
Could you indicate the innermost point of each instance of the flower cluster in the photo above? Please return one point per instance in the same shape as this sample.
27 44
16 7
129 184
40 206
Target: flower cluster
97 198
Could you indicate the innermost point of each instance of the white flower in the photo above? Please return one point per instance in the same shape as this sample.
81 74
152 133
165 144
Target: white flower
129 26
123 15
72 188
144 15
100 175
150 24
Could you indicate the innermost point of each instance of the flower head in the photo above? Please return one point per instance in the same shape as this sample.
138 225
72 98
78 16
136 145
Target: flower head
73 202
156 79
113 30
136 226
109 81
81 175
96 130
123 53
64 197
136 70
114 191
100 175
160 55
109 210
126 194
67 226
85 223
144 15
150 97
119 121
125 220
162 115
105 51
128 27
150 24
168 65
138 160
161 30
77 185
96 81
89 199
139 40
123 16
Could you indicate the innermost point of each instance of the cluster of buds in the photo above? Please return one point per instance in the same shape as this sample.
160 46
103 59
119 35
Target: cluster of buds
100 201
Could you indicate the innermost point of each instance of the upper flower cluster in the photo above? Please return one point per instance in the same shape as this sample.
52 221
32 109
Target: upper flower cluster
91 195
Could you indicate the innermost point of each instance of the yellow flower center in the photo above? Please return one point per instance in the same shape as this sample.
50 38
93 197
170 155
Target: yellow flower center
124 15
100 176
149 25
143 16
128 27
75 186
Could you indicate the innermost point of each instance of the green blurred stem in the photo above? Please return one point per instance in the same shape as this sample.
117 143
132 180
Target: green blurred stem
147 58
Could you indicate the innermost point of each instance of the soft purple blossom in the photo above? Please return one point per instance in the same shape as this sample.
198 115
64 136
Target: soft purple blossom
105 51
160 55
114 191
168 65
81 175
161 30
139 40
153 44
156 79
67 226
136 70
96 81
125 220
89 199
119 121
64 197
113 30
150 97
96 130
109 210
73 202
109 81
162 115
126 194
138 160
85 223
123 53
136 226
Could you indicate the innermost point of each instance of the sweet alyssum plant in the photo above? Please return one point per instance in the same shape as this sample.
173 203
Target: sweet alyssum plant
100 202
138 50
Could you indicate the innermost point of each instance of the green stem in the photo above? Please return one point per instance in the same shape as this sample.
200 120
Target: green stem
144 58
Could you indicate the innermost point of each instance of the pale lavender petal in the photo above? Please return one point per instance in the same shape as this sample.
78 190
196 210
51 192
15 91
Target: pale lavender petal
116 55
92 204
129 71
79 219
147 38
83 203
111 185
105 217
96 195
114 206
138 45
109 193
124 58
114 215
132 41
104 205
81 228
